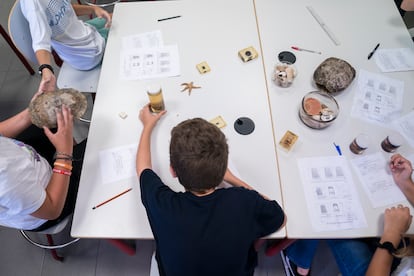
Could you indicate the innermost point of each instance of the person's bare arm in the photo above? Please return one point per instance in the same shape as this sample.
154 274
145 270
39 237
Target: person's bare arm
407 5
233 180
230 178
56 190
396 222
401 170
13 126
97 11
48 82
149 120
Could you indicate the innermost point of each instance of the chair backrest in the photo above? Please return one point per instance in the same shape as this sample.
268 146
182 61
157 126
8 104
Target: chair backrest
19 32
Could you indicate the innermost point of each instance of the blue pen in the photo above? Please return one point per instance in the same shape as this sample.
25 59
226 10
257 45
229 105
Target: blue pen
338 148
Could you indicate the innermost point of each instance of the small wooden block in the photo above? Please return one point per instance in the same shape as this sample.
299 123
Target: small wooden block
288 140
248 54
203 67
218 122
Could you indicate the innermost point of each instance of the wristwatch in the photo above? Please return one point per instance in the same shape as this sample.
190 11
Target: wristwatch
387 246
43 66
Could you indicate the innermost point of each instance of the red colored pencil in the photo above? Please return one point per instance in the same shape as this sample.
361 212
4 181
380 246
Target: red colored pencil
112 198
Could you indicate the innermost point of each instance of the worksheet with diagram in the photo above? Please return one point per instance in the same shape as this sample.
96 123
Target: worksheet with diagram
331 197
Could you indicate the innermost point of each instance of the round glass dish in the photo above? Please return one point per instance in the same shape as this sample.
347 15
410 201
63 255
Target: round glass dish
318 109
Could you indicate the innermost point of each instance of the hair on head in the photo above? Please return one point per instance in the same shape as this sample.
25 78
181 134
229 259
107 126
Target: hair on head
198 154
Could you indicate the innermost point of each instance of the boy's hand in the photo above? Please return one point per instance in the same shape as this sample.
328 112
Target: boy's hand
48 82
101 13
149 119
62 140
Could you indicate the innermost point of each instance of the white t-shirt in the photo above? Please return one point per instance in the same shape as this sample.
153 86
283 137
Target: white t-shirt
24 175
53 23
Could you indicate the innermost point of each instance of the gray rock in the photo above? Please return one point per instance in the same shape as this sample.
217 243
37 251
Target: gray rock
334 75
42 109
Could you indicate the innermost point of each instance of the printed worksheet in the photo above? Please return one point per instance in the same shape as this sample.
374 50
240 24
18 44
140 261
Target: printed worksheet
375 176
150 63
144 56
331 197
394 60
405 126
118 163
143 40
378 99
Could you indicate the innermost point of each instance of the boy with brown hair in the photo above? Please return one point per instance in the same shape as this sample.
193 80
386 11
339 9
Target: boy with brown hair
203 231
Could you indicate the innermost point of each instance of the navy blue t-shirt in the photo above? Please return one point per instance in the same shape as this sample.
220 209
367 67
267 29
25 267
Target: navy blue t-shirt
207 235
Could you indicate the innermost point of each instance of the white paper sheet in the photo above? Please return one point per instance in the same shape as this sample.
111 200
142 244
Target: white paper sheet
118 163
143 40
331 197
375 176
405 126
378 99
394 60
150 63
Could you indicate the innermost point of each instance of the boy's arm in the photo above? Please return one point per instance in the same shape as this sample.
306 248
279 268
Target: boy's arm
230 178
149 120
98 11
15 125
233 180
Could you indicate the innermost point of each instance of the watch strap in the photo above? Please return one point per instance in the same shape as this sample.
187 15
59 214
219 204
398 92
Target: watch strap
387 246
43 66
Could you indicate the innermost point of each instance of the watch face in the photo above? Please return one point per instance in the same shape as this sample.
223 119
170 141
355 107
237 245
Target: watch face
388 246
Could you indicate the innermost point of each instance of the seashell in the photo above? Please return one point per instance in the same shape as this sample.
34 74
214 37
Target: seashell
42 108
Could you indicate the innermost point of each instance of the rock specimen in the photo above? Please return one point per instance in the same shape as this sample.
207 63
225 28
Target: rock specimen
334 75
43 109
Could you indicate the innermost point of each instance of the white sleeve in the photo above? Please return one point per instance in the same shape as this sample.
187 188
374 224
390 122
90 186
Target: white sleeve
35 14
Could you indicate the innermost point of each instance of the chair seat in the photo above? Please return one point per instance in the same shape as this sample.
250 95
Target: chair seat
83 81
56 228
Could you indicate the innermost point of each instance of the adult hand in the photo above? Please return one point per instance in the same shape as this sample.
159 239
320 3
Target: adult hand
148 118
62 140
397 220
48 82
401 170
101 13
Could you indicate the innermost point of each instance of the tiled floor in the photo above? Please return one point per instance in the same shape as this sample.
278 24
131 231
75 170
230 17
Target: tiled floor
88 256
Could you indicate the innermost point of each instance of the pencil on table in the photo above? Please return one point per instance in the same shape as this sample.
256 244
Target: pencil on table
112 198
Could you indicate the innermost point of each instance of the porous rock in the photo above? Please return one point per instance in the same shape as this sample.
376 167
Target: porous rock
334 75
43 108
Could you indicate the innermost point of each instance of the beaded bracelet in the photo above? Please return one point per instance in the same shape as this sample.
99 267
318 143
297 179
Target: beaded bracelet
68 173
63 165
64 156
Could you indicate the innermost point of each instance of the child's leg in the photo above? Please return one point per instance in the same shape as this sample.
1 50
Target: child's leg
301 253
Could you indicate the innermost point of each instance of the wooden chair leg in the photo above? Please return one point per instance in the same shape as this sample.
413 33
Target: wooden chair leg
126 248
16 51
53 251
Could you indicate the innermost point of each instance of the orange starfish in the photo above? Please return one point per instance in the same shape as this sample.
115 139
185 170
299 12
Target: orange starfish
189 86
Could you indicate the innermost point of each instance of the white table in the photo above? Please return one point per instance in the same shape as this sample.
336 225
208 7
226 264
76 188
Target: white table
358 26
212 31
